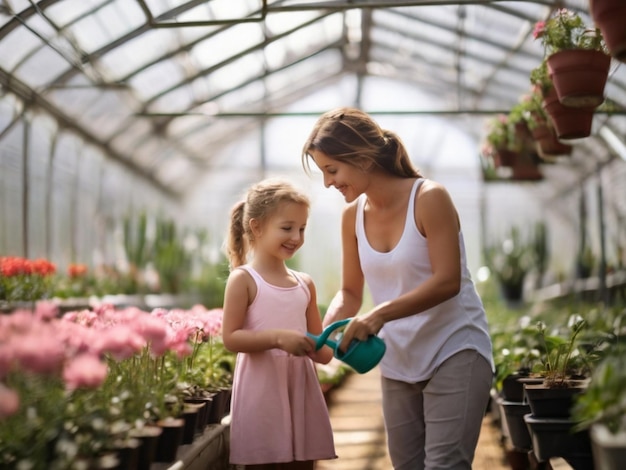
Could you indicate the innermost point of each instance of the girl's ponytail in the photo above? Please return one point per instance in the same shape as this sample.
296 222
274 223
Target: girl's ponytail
236 246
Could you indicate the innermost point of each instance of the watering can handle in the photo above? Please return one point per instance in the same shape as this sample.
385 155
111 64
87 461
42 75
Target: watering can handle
323 338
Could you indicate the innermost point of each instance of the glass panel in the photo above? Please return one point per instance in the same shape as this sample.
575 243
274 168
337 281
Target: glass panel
105 24
11 192
157 78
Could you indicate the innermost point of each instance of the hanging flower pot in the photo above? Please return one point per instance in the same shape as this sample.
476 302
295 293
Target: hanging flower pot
579 76
505 157
548 145
526 172
610 16
569 123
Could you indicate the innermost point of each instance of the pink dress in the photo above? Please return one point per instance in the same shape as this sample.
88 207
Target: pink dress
278 412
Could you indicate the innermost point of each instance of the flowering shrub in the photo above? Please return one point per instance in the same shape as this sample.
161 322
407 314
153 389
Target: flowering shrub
530 109
497 131
566 30
540 78
71 385
22 279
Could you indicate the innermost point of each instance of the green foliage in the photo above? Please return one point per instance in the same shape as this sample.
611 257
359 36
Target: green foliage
604 400
558 352
566 30
510 260
540 78
540 249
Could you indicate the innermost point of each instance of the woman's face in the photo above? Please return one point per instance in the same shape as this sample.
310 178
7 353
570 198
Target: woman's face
348 179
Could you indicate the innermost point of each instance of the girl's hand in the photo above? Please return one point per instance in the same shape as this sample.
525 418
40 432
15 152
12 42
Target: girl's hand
295 343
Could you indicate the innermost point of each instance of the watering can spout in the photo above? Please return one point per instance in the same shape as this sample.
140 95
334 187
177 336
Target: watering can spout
323 339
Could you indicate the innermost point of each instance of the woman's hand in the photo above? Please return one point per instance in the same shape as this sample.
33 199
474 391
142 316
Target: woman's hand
294 343
360 327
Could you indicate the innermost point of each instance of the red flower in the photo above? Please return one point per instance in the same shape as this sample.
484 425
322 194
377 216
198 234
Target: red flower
76 270
43 267
14 266
540 29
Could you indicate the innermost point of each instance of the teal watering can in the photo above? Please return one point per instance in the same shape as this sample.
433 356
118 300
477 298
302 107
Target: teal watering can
362 356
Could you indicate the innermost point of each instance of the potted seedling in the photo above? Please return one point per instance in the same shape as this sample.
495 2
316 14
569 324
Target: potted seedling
565 365
602 411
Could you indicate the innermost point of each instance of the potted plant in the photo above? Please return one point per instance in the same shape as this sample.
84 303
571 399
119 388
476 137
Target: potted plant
510 261
515 354
568 122
541 128
499 143
577 58
549 424
610 16
602 410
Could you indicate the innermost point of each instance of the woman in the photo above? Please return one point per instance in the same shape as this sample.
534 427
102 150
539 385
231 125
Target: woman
401 235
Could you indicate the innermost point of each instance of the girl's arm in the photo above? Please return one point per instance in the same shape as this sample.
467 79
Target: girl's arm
314 323
240 290
437 219
349 298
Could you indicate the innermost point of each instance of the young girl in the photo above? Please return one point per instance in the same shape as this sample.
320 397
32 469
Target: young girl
279 419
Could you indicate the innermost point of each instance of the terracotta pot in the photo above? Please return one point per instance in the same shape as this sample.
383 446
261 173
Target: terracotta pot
579 76
610 17
548 145
569 123
526 172
505 157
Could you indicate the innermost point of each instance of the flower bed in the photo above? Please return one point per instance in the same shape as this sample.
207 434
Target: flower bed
73 387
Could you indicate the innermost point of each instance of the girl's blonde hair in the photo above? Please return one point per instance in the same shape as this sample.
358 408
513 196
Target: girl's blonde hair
262 200
352 136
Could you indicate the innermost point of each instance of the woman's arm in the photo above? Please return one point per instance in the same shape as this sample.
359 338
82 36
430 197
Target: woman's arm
240 290
437 219
348 299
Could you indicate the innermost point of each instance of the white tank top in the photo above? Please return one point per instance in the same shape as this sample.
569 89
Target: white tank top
418 344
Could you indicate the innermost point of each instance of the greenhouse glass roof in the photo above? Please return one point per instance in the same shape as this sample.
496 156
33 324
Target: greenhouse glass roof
165 86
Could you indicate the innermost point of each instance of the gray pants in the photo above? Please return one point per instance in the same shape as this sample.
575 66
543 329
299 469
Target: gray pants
435 424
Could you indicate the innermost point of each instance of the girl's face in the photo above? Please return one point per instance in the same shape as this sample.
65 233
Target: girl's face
282 234
347 179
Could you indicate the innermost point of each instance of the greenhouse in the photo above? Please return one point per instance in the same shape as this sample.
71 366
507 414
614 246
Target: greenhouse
130 129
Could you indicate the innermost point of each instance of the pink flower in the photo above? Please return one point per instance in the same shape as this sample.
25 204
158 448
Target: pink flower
152 328
9 402
81 317
46 310
84 371
40 352
179 344
120 342
539 30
